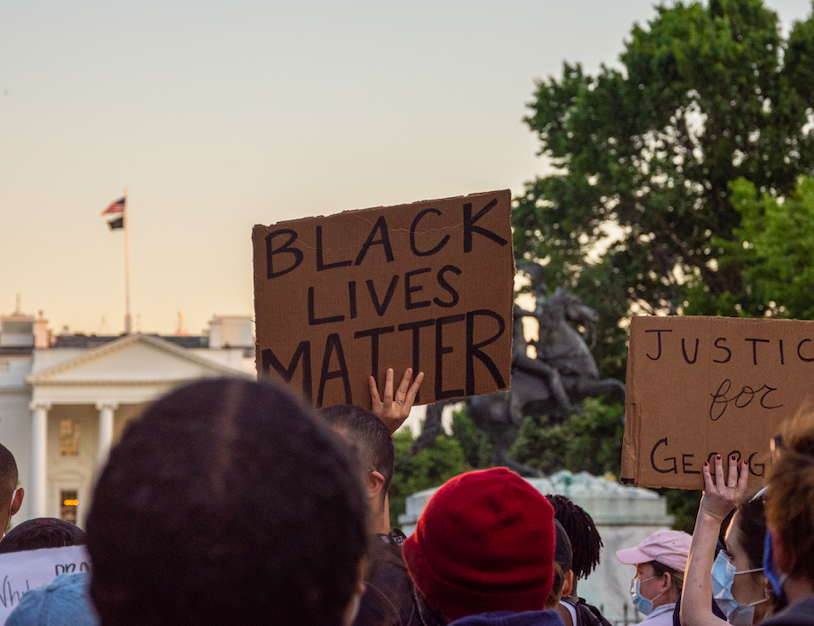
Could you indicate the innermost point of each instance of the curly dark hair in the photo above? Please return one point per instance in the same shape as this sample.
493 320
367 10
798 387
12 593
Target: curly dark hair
227 502
586 543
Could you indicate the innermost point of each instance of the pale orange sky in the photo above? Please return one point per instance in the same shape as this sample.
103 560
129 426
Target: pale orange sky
218 116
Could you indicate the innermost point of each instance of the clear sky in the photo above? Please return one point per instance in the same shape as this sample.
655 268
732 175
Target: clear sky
218 116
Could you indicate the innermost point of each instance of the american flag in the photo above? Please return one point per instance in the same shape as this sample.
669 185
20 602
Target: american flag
115 208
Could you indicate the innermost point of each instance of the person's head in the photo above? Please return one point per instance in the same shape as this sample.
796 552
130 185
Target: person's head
228 502
11 498
563 575
790 506
485 542
42 532
660 561
371 439
586 543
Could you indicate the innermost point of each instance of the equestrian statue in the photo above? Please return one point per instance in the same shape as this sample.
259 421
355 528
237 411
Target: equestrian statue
553 383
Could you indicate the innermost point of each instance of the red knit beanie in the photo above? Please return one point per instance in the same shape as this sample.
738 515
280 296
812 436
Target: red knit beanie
485 542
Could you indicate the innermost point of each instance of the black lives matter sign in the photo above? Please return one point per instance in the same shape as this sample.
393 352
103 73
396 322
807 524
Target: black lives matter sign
427 285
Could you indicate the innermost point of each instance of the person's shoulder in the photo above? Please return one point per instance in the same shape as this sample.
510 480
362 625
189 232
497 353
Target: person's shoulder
798 614
589 615
510 618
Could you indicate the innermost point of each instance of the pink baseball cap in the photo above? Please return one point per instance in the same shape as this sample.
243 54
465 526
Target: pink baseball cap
668 547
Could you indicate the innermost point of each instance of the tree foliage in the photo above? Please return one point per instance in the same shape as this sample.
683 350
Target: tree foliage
774 249
590 442
640 210
429 468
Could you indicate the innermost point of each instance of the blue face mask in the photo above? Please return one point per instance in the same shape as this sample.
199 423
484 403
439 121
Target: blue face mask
775 578
642 605
723 575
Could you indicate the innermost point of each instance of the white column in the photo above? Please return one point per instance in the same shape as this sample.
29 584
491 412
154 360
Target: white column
105 429
39 459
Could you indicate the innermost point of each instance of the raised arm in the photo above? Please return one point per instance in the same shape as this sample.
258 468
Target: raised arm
718 500
393 409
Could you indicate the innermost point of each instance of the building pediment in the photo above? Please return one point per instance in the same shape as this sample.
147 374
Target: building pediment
132 360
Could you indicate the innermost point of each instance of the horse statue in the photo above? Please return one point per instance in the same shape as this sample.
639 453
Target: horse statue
562 374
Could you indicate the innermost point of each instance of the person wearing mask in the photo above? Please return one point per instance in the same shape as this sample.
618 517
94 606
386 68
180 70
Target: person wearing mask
660 560
738 584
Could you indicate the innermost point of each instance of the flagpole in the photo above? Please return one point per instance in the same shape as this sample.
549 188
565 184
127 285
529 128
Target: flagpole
128 326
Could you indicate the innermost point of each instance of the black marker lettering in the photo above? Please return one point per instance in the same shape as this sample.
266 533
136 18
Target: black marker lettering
761 466
285 248
473 350
728 351
765 395
303 352
383 240
658 335
669 470
334 344
409 289
719 397
381 308
800 352
321 265
416 328
313 320
684 350
445 285
414 227
754 347
685 465
374 334
469 226
440 351
352 298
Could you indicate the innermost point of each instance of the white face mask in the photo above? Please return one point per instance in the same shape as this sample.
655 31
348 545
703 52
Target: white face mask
10 505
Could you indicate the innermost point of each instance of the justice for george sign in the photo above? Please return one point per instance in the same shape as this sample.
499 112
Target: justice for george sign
425 285
702 386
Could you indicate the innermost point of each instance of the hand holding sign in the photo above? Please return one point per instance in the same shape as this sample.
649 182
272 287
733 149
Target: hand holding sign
721 496
394 410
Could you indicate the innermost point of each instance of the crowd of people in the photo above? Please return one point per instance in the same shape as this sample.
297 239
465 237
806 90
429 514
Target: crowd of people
231 502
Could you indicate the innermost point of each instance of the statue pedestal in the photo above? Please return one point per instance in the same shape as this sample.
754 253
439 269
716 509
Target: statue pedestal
624 517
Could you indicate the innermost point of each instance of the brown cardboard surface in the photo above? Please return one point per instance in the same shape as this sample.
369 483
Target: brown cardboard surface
700 386
427 285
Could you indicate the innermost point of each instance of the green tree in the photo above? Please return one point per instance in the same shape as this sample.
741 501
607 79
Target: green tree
774 250
590 441
474 442
429 468
647 151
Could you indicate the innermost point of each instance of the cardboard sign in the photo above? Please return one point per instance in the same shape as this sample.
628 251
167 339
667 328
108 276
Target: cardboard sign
23 571
701 386
425 285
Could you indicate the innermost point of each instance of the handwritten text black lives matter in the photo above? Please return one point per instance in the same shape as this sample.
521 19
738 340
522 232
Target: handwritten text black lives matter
729 396
432 286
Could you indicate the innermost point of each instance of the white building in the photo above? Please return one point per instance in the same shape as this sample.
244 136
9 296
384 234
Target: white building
65 400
